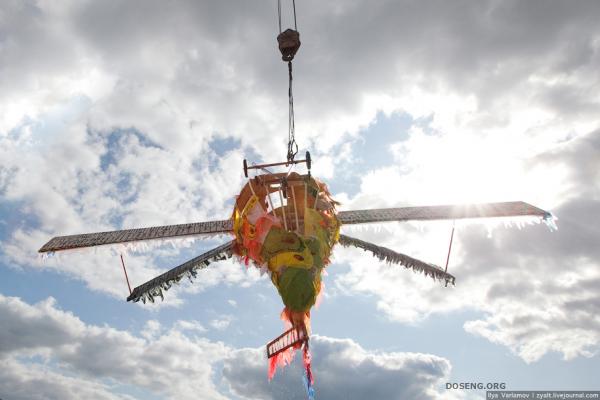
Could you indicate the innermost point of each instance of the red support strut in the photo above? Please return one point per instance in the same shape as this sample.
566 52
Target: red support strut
126 277
449 249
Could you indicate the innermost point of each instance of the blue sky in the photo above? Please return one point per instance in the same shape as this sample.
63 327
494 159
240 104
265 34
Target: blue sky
117 115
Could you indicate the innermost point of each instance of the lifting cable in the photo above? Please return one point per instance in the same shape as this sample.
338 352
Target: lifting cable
292 145
279 14
289 43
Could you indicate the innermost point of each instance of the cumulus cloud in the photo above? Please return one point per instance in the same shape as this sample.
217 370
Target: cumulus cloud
190 326
119 127
222 323
29 381
80 359
169 363
343 370
116 127
534 287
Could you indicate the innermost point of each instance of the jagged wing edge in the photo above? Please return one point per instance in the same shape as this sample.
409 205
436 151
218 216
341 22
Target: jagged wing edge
154 287
455 211
391 256
62 243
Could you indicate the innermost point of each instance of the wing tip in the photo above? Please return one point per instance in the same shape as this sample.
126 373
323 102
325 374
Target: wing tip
46 248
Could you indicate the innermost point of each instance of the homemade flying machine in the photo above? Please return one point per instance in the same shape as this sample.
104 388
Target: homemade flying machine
287 224
291 239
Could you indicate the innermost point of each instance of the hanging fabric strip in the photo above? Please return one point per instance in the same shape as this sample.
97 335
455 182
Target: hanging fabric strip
392 257
308 377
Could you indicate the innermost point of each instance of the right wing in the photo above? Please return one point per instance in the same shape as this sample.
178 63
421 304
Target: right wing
485 210
154 287
390 256
132 235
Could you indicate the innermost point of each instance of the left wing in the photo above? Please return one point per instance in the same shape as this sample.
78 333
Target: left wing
60 243
154 287
390 256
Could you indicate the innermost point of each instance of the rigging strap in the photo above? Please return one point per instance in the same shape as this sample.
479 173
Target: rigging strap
292 145
279 14
289 43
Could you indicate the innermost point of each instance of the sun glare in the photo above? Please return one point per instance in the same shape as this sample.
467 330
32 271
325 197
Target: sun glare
468 169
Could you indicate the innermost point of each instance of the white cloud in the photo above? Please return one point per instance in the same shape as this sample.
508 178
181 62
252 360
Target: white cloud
79 359
222 323
29 381
192 325
152 329
343 370
170 364
504 84
535 287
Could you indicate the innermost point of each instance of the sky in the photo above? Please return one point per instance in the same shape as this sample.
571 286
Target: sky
116 115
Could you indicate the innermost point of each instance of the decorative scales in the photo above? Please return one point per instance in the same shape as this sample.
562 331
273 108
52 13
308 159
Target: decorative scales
287 224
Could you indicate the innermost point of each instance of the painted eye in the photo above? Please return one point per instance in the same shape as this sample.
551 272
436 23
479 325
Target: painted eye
298 257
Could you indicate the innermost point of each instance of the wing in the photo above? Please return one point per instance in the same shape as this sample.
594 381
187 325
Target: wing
485 210
132 235
390 256
155 287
